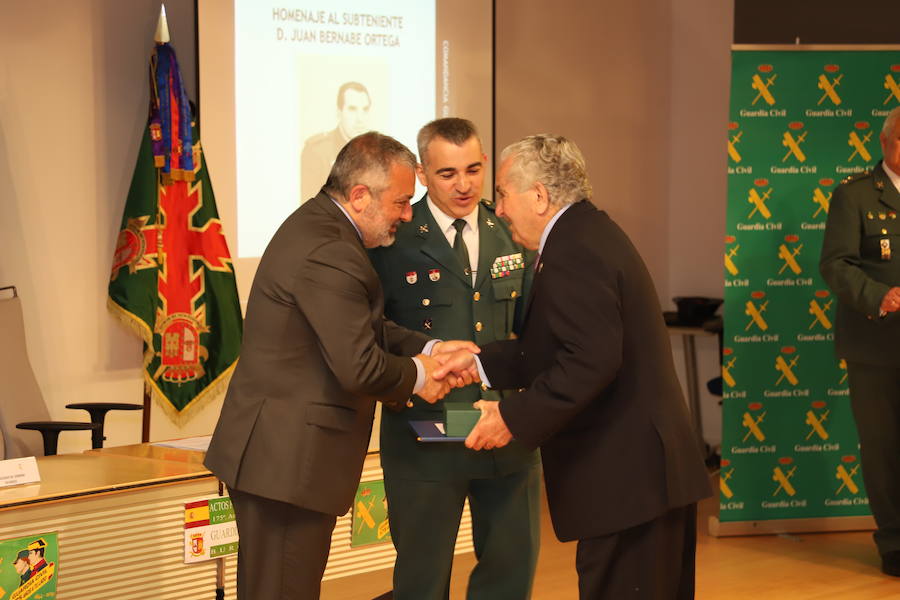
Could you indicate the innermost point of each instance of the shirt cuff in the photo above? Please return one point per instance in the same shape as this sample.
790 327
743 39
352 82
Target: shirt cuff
429 346
420 374
481 373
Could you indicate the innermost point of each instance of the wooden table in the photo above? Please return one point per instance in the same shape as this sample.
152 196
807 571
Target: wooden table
119 516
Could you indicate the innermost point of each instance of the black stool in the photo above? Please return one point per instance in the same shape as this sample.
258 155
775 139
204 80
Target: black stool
98 411
50 431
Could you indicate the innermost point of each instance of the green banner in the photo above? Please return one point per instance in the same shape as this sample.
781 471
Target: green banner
800 121
28 567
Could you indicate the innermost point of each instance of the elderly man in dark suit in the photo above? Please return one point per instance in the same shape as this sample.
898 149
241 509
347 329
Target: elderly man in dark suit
317 353
597 387
860 264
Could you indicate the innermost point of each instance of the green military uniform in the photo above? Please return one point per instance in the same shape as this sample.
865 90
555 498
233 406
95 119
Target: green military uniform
316 159
426 289
860 262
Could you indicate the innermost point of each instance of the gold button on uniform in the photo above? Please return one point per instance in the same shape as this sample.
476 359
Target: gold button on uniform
479 326
476 296
514 294
883 231
426 301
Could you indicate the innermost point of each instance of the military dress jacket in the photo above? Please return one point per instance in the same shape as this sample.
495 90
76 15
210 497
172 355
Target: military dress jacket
601 398
860 263
317 353
426 289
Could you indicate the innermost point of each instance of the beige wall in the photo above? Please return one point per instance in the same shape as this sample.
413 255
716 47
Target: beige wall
73 104
641 85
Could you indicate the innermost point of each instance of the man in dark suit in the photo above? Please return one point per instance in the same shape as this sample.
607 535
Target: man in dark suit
860 264
455 273
316 355
597 387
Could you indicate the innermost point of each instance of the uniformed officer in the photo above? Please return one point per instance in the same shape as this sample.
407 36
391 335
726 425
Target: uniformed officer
320 150
455 273
861 265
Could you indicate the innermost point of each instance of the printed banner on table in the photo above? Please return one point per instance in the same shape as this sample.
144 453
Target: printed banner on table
370 515
29 567
210 529
800 122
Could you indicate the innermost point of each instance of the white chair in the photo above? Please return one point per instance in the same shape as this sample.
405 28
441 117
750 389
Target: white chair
22 406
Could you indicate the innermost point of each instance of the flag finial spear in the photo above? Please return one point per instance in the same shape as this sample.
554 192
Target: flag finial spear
162 28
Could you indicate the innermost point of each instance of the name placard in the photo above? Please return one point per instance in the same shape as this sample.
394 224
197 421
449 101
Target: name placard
19 471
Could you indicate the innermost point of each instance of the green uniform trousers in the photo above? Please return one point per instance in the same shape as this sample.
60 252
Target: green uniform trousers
425 515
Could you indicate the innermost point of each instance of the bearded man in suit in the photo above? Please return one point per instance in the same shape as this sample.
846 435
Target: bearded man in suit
317 354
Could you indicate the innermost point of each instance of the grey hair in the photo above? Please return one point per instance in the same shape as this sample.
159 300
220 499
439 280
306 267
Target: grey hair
367 159
553 161
891 120
453 129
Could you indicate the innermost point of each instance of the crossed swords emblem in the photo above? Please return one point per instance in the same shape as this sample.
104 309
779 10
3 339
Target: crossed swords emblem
892 87
783 480
819 313
828 86
846 478
789 257
729 264
816 423
793 146
786 369
859 146
755 315
762 89
752 425
759 203
723 485
822 201
732 147
726 372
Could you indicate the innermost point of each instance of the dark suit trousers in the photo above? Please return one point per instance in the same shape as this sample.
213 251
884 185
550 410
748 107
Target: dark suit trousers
652 561
283 548
875 399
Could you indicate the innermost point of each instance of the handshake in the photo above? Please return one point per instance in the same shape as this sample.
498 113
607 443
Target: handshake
451 365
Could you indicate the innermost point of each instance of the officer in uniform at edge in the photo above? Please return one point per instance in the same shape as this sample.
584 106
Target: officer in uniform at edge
861 265
476 292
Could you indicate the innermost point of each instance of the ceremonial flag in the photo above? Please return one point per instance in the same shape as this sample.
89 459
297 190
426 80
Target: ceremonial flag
172 280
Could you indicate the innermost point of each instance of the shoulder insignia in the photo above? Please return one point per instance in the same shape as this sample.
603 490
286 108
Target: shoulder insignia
489 204
856 176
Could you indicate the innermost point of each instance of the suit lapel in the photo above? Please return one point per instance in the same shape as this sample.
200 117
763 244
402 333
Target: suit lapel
434 244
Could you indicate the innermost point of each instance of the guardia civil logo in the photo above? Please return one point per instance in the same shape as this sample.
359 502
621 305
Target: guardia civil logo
764 82
785 363
892 86
792 140
816 417
818 308
782 475
828 83
859 144
752 420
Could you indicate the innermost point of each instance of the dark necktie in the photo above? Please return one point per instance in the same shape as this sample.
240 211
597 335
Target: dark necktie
459 246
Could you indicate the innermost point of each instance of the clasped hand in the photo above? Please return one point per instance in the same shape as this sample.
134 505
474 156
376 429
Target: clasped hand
451 365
